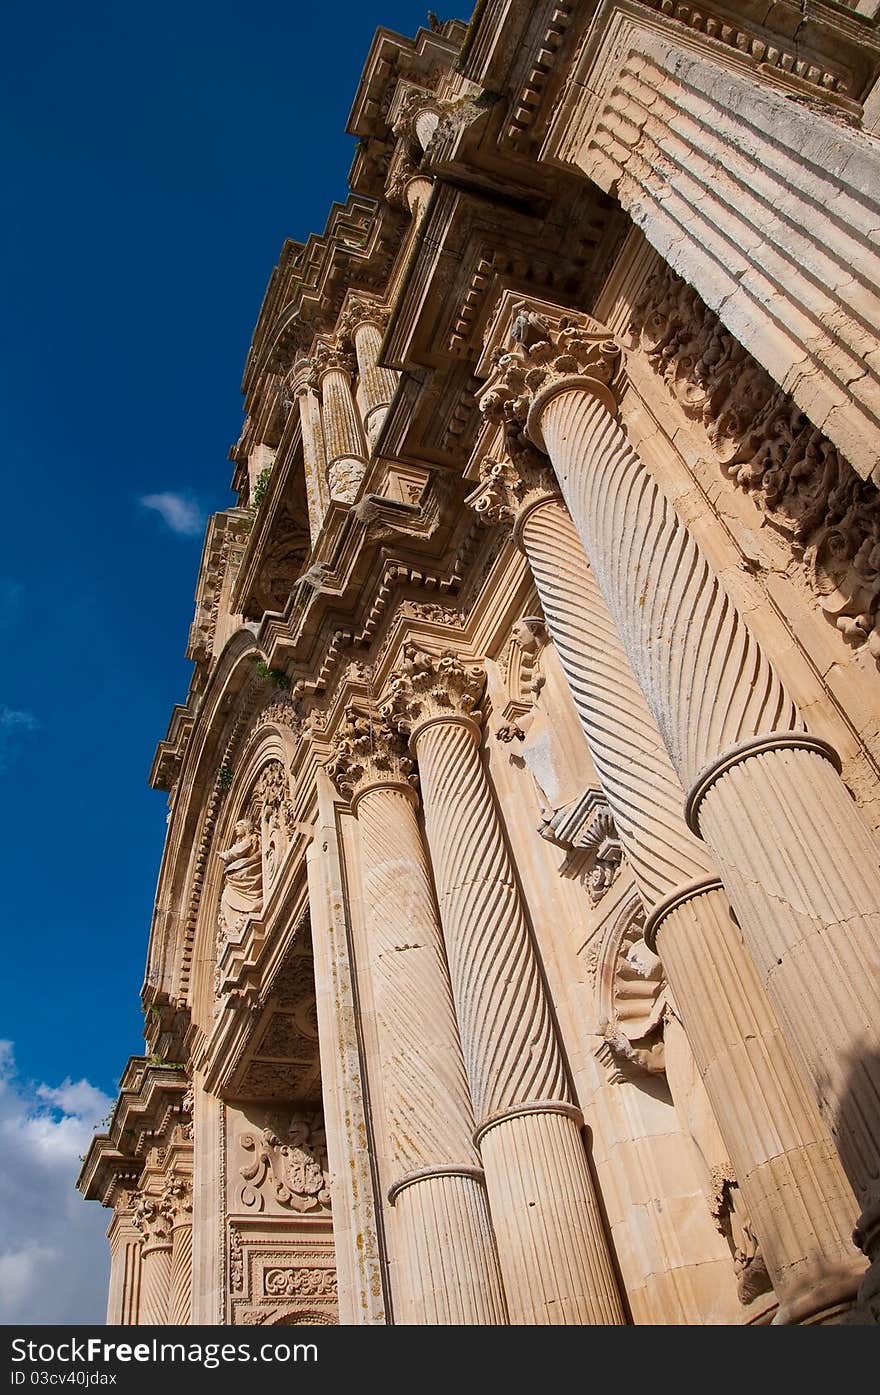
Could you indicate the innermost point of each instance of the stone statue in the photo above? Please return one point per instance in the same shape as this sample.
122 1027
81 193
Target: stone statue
242 893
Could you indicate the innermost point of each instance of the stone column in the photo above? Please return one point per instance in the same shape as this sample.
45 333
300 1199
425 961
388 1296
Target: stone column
314 459
125 1270
447 1260
796 858
179 1197
789 1174
344 442
551 1244
153 1218
363 321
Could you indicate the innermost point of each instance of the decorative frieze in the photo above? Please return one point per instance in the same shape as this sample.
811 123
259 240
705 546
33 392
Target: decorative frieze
767 446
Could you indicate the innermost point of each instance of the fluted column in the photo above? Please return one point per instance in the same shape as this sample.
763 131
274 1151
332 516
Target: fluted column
364 322
447 1267
551 1244
796 858
788 1171
153 1218
314 459
179 1197
344 442
123 1299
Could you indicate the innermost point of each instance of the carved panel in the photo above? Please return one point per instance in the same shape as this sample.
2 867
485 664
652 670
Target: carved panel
768 447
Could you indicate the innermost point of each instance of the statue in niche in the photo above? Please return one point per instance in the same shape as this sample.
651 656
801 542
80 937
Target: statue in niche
242 894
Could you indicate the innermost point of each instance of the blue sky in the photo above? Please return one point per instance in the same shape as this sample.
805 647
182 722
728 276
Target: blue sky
155 159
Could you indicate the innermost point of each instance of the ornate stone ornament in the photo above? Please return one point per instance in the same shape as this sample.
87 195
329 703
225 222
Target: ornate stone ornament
506 489
242 894
768 447
290 1162
366 749
425 685
542 356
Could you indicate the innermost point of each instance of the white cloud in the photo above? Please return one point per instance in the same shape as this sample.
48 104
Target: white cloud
54 1257
14 725
179 513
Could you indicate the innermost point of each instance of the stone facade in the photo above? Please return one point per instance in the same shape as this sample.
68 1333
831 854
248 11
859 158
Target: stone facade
516 950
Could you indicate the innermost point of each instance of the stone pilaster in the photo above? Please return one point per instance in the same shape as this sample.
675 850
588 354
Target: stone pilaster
446 1265
364 322
344 442
770 1124
123 1302
153 1218
551 1244
796 858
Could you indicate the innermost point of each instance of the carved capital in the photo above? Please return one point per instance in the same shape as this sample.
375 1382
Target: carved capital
153 1217
402 170
329 355
298 378
367 751
541 359
177 1199
413 102
425 687
359 310
507 489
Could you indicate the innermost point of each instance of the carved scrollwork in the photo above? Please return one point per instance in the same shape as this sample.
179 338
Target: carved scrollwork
290 1158
299 1283
769 448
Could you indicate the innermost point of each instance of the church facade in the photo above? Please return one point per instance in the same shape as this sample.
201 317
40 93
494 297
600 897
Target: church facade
516 949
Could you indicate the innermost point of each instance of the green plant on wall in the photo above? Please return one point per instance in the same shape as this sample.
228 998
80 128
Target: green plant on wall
224 777
258 493
276 676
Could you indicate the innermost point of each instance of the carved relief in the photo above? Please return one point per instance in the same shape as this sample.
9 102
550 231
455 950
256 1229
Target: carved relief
769 448
242 894
586 828
272 799
299 1283
631 994
290 1162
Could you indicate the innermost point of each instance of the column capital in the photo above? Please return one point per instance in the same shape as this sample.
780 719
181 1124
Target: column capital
153 1217
360 310
428 688
541 360
177 1198
367 752
508 489
329 355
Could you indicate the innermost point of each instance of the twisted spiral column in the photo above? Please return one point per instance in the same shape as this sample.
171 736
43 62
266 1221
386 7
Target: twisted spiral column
155 1282
551 1244
180 1299
448 1262
796 858
789 1174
